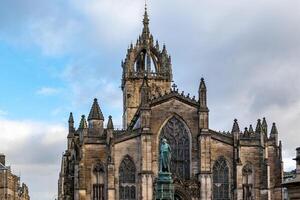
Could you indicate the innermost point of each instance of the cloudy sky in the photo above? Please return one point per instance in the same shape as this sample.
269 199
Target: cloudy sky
56 56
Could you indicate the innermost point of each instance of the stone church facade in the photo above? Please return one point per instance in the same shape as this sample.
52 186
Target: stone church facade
104 163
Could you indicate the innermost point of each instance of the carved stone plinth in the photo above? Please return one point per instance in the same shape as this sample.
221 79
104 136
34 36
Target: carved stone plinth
164 186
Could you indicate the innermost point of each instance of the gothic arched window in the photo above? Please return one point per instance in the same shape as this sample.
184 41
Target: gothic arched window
221 180
98 182
247 182
127 179
177 137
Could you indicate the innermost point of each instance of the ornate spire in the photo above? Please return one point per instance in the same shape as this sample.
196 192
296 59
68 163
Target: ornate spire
264 126
110 124
83 123
258 128
251 129
202 85
246 132
145 90
202 94
146 20
274 130
71 124
71 119
146 57
95 112
235 127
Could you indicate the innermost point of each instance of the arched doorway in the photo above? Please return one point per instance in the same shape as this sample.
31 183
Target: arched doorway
180 194
177 197
177 136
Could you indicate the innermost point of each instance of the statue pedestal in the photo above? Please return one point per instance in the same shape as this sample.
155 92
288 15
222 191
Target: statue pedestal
164 186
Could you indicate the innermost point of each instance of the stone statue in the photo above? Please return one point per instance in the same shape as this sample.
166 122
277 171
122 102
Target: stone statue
165 156
164 185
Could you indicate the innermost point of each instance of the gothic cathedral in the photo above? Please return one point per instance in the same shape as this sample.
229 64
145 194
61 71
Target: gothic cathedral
108 164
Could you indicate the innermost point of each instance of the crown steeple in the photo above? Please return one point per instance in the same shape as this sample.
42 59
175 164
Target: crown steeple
147 60
145 57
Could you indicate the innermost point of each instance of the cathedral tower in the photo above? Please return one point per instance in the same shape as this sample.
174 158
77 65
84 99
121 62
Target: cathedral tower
145 59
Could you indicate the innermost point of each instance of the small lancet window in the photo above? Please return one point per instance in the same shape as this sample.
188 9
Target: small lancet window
98 183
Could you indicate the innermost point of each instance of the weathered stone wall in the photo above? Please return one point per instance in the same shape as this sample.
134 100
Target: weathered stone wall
92 154
132 97
251 155
131 148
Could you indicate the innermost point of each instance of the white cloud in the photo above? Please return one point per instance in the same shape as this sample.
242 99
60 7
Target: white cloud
3 113
33 149
48 91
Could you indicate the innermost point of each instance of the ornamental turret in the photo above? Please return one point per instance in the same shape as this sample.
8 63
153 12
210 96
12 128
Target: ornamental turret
95 120
264 127
203 109
71 125
274 133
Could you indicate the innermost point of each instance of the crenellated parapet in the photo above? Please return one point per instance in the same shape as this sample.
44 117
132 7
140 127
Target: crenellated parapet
173 92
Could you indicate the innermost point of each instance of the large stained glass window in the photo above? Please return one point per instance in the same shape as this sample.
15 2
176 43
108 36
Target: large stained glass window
127 179
221 180
177 137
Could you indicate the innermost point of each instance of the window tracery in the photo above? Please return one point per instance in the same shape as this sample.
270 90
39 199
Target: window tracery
127 179
98 183
221 180
177 137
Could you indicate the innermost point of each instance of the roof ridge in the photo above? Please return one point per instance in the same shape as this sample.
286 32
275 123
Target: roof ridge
173 92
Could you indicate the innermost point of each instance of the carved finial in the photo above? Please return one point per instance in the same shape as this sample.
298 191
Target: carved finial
146 22
251 128
235 127
274 129
164 50
174 86
83 123
157 45
110 124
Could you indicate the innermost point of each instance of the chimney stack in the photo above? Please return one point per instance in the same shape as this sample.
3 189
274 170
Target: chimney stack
2 159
